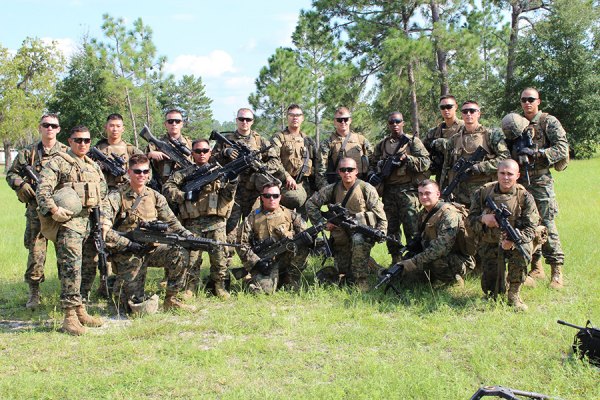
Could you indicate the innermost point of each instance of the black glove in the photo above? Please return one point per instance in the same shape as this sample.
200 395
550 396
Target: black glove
263 266
306 239
527 151
231 153
374 179
136 248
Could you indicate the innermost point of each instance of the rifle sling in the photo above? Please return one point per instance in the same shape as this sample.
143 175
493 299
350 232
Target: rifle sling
342 151
430 214
348 194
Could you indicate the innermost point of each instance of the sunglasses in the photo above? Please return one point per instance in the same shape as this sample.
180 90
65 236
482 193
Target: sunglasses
346 169
469 111
270 195
446 106
295 115
201 151
175 121
80 140
395 121
528 99
244 119
343 119
140 171
48 125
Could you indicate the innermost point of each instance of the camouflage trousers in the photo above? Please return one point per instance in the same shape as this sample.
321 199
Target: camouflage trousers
351 254
494 262
70 252
542 190
216 255
131 271
401 205
443 270
287 267
37 245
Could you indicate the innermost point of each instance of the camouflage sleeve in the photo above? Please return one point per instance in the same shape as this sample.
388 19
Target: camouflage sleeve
375 205
111 207
103 185
171 189
475 212
316 201
270 157
217 152
298 222
323 162
529 218
13 177
165 214
133 150
557 137
429 137
376 157
49 178
280 171
500 150
418 160
442 245
368 149
227 191
245 234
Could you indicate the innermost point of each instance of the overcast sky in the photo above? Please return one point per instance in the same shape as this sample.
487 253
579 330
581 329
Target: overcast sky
225 42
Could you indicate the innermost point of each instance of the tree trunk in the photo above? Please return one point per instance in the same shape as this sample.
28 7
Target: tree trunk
7 155
414 106
134 127
510 61
441 55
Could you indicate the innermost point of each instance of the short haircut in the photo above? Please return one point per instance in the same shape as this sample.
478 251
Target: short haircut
173 110
137 159
394 113
342 110
426 182
269 185
201 140
79 128
448 96
470 102
114 116
48 115
508 162
245 109
293 107
347 160
531 88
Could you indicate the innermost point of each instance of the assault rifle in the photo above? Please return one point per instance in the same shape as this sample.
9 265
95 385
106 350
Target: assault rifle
522 142
390 163
28 172
501 214
506 393
304 167
586 342
196 178
341 217
173 151
156 232
100 246
412 247
113 164
461 168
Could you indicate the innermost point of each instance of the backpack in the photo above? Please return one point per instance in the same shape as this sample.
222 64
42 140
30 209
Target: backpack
465 239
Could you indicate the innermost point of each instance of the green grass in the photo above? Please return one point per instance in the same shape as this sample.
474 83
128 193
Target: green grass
322 343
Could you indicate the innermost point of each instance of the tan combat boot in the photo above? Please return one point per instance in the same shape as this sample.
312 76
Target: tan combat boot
34 296
513 297
556 282
87 319
529 281
537 268
71 324
191 288
173 303
220 291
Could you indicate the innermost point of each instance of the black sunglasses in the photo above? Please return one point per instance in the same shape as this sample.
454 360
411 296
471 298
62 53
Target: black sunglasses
469 110
446 106
201 151
141 171
270 195
244 119
175 121
528 99
80 140
295 115
49 125
343 119
395 121
346 169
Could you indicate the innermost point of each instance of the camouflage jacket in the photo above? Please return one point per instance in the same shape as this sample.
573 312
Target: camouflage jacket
357 147
124 151
436 153
438 236
414 166
254 141
291 151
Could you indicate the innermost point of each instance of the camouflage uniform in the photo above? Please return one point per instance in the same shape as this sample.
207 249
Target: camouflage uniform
464 144
124 151
36 156
351 253
441 257
125 212
437 150
357 148
400 198
206 217
524 217
292 151
75 254
551 137
276 225
165 168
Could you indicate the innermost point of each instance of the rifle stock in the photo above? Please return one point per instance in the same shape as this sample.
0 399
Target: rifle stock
114 164
461 167
169 149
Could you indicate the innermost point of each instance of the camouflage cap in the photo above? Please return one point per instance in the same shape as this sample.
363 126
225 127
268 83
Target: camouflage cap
67 198
513 125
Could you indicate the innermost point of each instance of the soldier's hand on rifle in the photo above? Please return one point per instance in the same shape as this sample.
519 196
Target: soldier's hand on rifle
507 244
489 220
306 239
231 153
330 227
62 215
290 183
158 156
374 179
25 193
473 170
263 266
527 151
135 248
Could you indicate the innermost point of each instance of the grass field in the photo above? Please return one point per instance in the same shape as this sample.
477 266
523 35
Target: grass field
321 343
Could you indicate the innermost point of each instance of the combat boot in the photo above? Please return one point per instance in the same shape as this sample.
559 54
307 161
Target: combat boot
190 290
34 296
220 290
87 319
537 268
529 281
173 303
556 282
71 324
513 297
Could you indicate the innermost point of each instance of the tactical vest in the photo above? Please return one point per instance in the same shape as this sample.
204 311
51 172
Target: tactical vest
293 152
513 202
538 130
84 178
464 242
355 149
464 145
277 224
144 210
400 175
356 204
39 158
209 203
447 132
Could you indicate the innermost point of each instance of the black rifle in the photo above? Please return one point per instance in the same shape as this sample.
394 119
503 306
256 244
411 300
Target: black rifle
522 142
412 247
304 167
341 217
393 161
195 179
461 167
100 246
586 342
501 215
506 393
156 232
28 172
113 164
171 150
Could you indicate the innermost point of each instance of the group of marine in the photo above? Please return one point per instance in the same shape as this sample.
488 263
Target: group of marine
115 208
